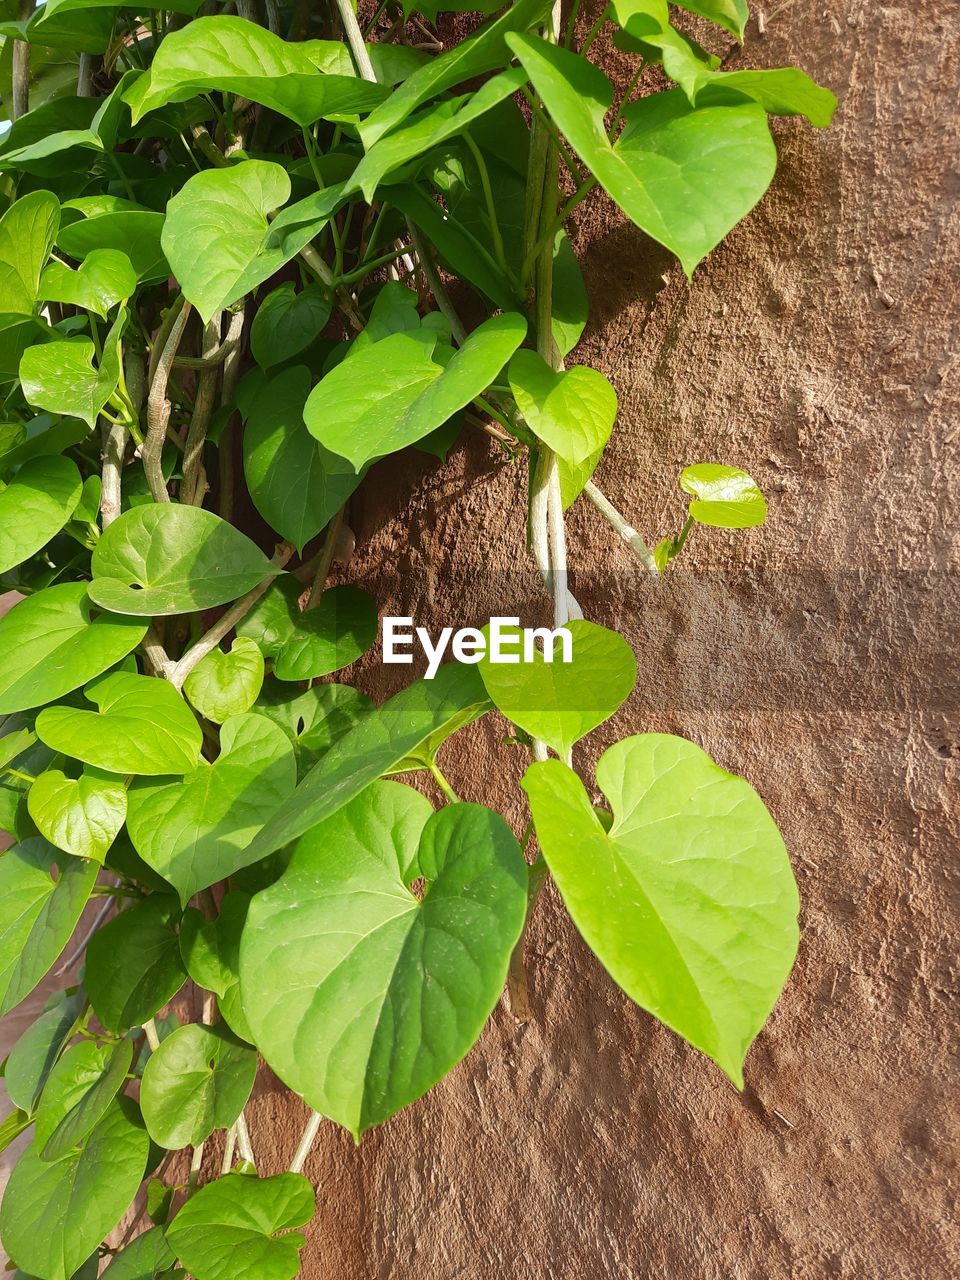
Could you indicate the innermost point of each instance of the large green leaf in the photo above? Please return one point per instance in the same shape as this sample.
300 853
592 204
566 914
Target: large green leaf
198 831
359 995
228 1230
197 1081
142 726
80 1090
226 684
81 816
239 57
54 1215
54 641
32 1058
392 393
133 963
684 175
27 232
378 744
688 901
315 719
35 506
572 412
337 631
104 278
724 497
164 558
296 484
560 702
62 377
38 912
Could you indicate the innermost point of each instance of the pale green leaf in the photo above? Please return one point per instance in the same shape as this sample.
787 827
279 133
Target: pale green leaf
27 232
226 684
572 412
331 635
131 231
133 963
104 278
79 1091
61 376
197 1081
33 1056
731 14
149 1257
35 506
723 496
81 816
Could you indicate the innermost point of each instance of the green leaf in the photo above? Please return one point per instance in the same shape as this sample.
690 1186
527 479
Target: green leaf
731 14
360 996
61 376
688 900
81 1088
685 176
211 952
54 1215
313 720
133 963
164 558
226 684
81 815
296 484
227 1231
35 506
27 232
337 631
133 232
392 393
142 726
53 642
198 831
198 1080
149 1257
37 913
33 1056
484 51
103 279
287 322
560 702
425 711
11 1127
570 306
571 412
723 496
391 62
234 56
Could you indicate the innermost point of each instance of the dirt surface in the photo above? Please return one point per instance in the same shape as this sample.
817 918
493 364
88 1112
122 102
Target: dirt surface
818 657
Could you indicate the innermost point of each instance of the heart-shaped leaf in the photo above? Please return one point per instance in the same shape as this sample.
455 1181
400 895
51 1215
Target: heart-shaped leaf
228 1230
54 1216
143 726
688 901
338 630
131 231
61 377
165 558
571 412
287 322
684 175
232 55
104 278
133 963
197 1081
80 1090
313 720
149 1257
425 711
38 912
211 952
560 702
33 1056
226 684
35 506
27 232
81 815
54 641
198 831
359 995
392 393
724 497
296 484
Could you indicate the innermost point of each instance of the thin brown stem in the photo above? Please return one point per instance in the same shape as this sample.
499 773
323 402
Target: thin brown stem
193 488
158 406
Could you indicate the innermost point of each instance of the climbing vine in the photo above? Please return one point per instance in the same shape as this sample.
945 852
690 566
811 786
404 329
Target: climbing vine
227 255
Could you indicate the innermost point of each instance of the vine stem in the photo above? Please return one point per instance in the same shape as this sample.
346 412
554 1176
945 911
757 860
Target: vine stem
20 69
307 1139
193 488
82 945
622 527
158 406
229 1147
243 1140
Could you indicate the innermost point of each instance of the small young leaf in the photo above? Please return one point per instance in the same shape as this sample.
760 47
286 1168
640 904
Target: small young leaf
211 952
133 963
81 815
54 1215
197 831
287 322
560 702
54 641
27 232
35 506
723 496
226 684
33 1056
131 231
198 1080
61 377
337 631
80 1090
313 720
689 901
37 913
143 726
360 996
571 412
165 558
149 1257
228 1230
104 278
